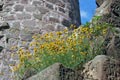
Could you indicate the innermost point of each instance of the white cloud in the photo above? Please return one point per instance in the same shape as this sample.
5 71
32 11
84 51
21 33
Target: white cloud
84 14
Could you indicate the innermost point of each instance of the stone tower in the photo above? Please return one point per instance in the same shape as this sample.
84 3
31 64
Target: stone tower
20 19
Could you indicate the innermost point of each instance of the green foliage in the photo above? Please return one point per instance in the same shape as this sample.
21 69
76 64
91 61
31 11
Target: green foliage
69 48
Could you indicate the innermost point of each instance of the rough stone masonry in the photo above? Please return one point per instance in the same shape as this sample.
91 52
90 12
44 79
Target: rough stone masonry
20 19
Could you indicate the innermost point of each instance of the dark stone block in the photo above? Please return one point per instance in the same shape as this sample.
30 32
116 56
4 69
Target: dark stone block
1 36
54 20
4 26
49 6
1 7
1 48
66 23
99 2
61 10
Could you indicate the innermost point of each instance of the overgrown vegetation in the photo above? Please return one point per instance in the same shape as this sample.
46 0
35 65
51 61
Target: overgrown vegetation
67 47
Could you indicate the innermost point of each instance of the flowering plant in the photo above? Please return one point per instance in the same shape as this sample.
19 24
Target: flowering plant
70 48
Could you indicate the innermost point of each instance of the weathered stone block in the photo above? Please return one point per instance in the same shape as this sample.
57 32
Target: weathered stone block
23 16
60 3
55 72
9 18
8 9
42 10
30 8
29 23
26 37
16 25
24 1
18 7
55 20
52 1
110 12
38 3
38 16
61 10
13 33
99 2
66 23
49 6
102 68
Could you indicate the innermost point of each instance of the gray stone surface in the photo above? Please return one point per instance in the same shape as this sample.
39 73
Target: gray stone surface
18 7
51 73
56 72
102 68
110 11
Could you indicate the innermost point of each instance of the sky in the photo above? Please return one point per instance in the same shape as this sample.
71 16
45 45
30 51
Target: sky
87 10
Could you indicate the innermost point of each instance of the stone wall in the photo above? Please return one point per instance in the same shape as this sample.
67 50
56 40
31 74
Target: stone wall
110 11
20 19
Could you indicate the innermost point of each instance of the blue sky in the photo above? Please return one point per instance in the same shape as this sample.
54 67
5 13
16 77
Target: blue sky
87 10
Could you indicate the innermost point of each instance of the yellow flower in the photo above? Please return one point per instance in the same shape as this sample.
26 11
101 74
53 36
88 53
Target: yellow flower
14 69
83 53
41 46
51 34
104 31
12 55
35 50
59 33
91 30
37 59
65 30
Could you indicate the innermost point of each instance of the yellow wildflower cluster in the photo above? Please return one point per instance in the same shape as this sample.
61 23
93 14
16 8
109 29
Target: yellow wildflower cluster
68 47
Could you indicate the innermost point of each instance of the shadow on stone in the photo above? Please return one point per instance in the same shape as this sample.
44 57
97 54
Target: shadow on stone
1 36
4 26
1 48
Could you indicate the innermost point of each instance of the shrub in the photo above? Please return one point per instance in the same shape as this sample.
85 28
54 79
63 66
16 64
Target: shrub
70 48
